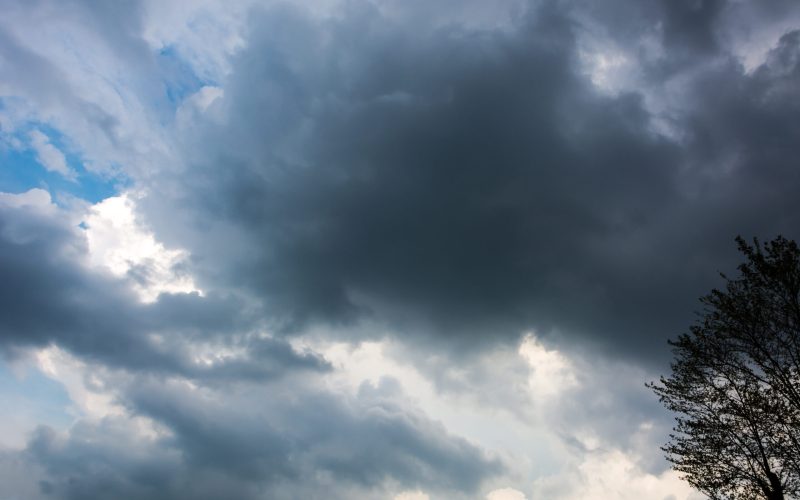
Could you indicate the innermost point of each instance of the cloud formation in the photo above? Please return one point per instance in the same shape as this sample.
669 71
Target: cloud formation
279 447
50 296
464 183
381 248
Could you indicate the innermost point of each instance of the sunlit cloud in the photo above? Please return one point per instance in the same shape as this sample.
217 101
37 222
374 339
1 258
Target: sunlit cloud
120 243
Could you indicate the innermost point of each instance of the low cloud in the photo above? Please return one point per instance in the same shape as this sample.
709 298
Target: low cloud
465 185
51 296
254 442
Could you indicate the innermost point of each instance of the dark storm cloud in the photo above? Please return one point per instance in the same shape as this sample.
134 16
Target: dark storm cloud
459 184
297 443
690 24
47 296
466 183
451 177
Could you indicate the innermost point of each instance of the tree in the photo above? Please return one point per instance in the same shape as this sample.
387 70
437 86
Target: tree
735 382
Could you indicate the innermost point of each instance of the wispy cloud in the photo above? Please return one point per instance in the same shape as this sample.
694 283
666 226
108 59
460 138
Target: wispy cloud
50 156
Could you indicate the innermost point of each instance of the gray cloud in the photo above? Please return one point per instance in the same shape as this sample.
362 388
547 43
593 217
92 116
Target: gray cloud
48 296
298 443
235 434
466 183
455 183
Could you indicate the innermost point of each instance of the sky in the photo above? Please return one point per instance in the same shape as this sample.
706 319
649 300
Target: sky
372 249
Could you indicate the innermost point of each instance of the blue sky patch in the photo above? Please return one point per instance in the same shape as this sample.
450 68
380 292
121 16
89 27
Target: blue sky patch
21 171
180 81
45 401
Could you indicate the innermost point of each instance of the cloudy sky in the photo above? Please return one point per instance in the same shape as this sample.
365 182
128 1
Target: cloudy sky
372 249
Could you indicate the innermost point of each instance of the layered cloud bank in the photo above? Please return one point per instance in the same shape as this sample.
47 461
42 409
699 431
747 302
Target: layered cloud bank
371 249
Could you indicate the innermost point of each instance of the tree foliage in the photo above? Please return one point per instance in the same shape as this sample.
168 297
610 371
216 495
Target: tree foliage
735 382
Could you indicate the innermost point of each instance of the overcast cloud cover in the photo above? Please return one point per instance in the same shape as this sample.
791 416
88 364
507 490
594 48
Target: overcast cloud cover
372 248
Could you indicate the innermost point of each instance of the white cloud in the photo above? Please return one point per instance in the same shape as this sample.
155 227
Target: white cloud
82 383
206 33
203 98
412 495
551 371
506 494
121 243
555 444
93 391
613 474
87 74
196 104
50 156
37 200
607 68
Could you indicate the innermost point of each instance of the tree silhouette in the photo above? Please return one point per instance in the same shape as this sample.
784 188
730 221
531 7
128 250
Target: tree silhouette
735 382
